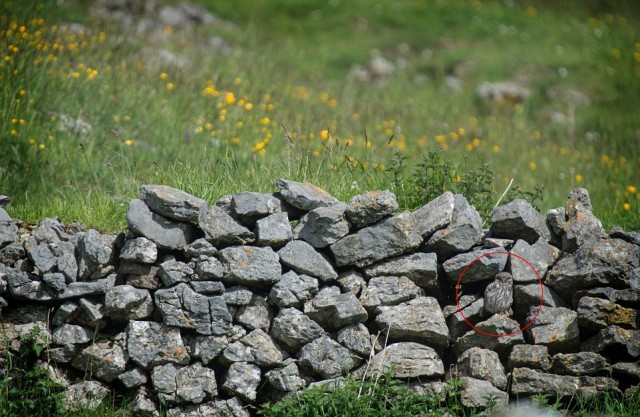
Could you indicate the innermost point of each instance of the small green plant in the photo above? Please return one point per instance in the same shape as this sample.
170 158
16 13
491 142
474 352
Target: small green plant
27 389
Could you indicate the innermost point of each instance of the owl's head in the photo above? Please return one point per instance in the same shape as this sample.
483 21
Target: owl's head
504 277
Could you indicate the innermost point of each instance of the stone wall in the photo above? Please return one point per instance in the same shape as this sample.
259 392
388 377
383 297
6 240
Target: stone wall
210 310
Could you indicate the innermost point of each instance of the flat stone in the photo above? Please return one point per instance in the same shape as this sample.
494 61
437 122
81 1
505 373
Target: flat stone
172 203
327 358
390 237
371 207
250 206
581 363
481 364
221 229
24 286
597 313
526 296
556 328
419 320
519 220
419 267
293 329
43 258
477 393
165 233
103 359
85 289
207 287
334 310
461 234
124 302
435 215
304 259
223 408
387 291
495 325
304 196
191 384
242 379
152 344
85 395
611 342
140 250
249 265
539 255
200 247
293 290
528 382
482 269
324 226
405 360
133 378
274 230
69 334
93 309
238 296
256 347
95 253
530 356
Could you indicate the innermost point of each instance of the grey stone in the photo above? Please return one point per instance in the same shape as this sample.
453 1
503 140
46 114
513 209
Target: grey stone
172 203
64 354
420 320
581 225
11 253
356 338
304 259
92 308
630 370
200 247
133 378
435 215
610 342
556 328
527 382
182 307
95 253
24 286
255 315
165 233
8 229
104 360
478 393
371 207
85 289
351 281
293 290
597 313
274 230
140 250
529 295
605 263
507 329
69 334
519 220
433 389
627 236
221 229
55 281
292 329
556 218
481 364
151 344
419 267
238 296
85 395
43 258
625 297
405 360
221 408
191 384
304 196
530 356
286 379
142 405
334 310
249 265
581 363
461 234
633 344
50 230
540 256
207 287
207 348
473 309
124 302
327 358
259 348
492 242
172 272
390 237
250 206
324 226
207 268
64 313
4 200
141 275
387 291
242 379
485 268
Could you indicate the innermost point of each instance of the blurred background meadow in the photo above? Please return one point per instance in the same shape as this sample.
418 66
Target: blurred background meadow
417 96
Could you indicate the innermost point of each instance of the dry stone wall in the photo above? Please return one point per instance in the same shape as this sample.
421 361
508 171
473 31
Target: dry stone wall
212 310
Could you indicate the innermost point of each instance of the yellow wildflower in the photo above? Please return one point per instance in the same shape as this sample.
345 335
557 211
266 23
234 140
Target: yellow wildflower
626 206
170 86
32 141
42 146
631 189
578 178
265 120
495 149
229 98
129 142
532 166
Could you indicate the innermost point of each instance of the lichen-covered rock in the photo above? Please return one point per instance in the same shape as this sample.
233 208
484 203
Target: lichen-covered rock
221 229
581 225
25 286
255 315
481 364
327 358
556 219
496 325
8 229
405 360
104 359
222 408
335 310
390 237
151 344
172 203
478 393
610 342
304 259
173 271
242 379
539 255
356 338
304 196
420 320
133 378
482 269
472 307
200 247
388 290
124 302
435 215
293 329
140 250
526 296
85 395
250 206
519 220
256 347
419 267
371 207
530 356
580 363
286 379
324 226
555 328
191 384
70 334
351 281
249 265
165 233
207 348
207 268
293 290
274 230
597 313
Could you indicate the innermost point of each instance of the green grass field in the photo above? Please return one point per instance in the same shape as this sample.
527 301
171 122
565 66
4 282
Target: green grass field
282 103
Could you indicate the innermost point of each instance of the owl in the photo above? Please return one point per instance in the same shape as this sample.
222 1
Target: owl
498 296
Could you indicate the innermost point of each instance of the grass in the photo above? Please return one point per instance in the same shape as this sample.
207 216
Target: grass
217 125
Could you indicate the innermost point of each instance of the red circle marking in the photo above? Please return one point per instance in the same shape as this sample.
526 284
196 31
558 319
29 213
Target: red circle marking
505 334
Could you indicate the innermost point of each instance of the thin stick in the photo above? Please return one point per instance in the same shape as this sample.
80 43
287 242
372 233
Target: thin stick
501 197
